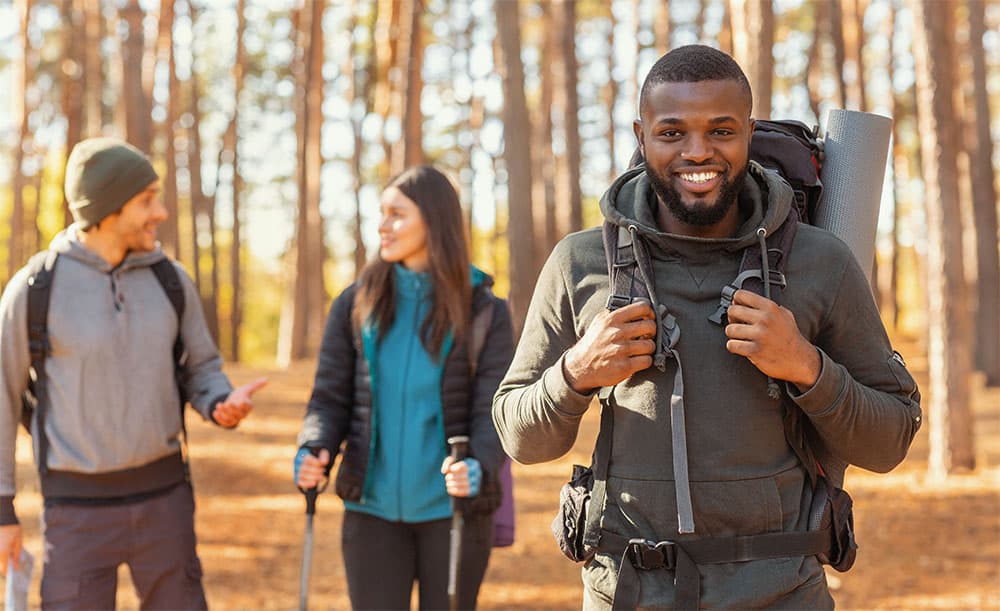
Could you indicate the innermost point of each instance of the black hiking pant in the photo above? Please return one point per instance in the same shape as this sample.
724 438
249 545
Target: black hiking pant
382 560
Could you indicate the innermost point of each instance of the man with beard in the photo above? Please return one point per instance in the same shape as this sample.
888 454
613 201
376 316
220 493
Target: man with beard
108 424
694 484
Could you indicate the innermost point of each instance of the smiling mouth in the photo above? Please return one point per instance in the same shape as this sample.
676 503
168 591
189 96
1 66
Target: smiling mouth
699 177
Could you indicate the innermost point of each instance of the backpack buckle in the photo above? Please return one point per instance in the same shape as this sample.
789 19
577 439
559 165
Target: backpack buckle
648 555
617 301
724 302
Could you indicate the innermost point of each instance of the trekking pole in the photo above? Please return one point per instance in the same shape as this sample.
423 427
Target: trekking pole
307 544
459 450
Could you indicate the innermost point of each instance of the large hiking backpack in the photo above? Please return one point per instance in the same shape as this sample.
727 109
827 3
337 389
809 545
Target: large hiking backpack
35 400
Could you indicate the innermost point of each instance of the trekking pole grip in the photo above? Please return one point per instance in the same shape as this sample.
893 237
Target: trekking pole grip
312 494
459 447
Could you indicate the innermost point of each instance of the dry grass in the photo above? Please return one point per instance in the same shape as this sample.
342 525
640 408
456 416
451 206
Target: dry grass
923 545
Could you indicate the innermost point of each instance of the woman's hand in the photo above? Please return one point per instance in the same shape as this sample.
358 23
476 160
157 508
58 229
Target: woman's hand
462 478
310 471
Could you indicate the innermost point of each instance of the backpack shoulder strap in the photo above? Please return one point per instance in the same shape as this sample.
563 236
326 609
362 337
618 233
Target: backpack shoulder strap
42 269
166 274
478 331
170 280
619 251
750 275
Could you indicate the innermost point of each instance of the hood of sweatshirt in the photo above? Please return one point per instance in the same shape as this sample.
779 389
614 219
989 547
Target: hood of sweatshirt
67 242
765 200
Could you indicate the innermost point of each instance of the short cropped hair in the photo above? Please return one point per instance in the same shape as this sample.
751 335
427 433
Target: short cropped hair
692 64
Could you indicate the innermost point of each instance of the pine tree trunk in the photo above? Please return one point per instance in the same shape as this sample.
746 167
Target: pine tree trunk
949 339
134 100
169 229
93 70
984 200
235 258
16 254
839 49
73 67
408 151
544 192
662 27
517 156
569 200
611 98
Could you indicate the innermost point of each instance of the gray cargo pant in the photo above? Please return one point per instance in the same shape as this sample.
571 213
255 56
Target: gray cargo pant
85 544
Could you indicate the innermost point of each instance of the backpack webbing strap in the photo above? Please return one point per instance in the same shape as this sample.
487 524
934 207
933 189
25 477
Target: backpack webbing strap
626 254
39 290
683 558
592 533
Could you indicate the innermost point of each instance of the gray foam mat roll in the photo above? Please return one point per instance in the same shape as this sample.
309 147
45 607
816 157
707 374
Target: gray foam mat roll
856 145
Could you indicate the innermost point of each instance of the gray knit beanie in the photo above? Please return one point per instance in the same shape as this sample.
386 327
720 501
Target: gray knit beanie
102 174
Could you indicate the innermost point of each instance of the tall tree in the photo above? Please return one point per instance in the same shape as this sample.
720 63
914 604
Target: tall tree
569 199
836 24
544 193
984 203
202 209
169 229
611 96
662 27
517 159
813 71
409 150
16 252
231 141
362 77
73 66
133 100
900 165
949 341
300 335
93 70
753 40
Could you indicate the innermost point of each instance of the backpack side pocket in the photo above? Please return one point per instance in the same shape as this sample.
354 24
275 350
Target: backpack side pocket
571 519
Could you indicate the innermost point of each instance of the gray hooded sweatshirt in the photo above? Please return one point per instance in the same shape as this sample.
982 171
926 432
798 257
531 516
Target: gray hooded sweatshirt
113 422
744 477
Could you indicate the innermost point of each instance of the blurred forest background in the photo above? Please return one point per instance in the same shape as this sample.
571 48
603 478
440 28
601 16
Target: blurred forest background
276 122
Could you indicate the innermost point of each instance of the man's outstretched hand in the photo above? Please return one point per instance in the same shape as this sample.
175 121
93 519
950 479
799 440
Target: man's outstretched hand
238 404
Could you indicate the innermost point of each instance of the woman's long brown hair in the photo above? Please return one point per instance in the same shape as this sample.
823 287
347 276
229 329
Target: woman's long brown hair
448 264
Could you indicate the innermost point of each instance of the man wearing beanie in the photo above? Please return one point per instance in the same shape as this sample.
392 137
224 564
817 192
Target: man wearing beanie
107 431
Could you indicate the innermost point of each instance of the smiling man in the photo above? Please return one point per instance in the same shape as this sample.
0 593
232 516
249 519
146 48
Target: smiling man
108 422
696 497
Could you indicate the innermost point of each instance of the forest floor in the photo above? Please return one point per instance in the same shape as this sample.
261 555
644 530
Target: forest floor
923 545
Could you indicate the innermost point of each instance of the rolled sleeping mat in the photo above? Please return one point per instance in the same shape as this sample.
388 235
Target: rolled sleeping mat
855 147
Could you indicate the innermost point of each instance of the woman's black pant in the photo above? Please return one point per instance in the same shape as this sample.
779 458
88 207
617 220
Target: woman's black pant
382 560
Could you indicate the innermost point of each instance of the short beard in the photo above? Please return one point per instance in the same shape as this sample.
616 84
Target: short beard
701 214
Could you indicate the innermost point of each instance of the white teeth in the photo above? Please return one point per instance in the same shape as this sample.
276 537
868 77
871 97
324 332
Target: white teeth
699 176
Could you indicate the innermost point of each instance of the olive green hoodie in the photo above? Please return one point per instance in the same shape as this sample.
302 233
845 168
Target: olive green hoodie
745 479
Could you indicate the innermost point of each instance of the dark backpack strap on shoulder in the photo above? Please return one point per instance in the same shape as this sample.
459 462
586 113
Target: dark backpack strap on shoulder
625 285
166 274
42 269
750 275
478 331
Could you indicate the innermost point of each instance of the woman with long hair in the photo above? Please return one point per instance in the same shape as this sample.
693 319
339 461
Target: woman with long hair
398 376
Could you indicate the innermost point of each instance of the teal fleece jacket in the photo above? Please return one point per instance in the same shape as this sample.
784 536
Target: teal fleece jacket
408 446
745 478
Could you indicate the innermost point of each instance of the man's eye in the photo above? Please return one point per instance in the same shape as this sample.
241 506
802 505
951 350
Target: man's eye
670 133
723 132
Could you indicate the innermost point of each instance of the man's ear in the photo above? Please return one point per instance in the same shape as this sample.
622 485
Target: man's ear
637 130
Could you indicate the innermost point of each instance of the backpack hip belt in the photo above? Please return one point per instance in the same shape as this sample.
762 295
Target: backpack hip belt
683 558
